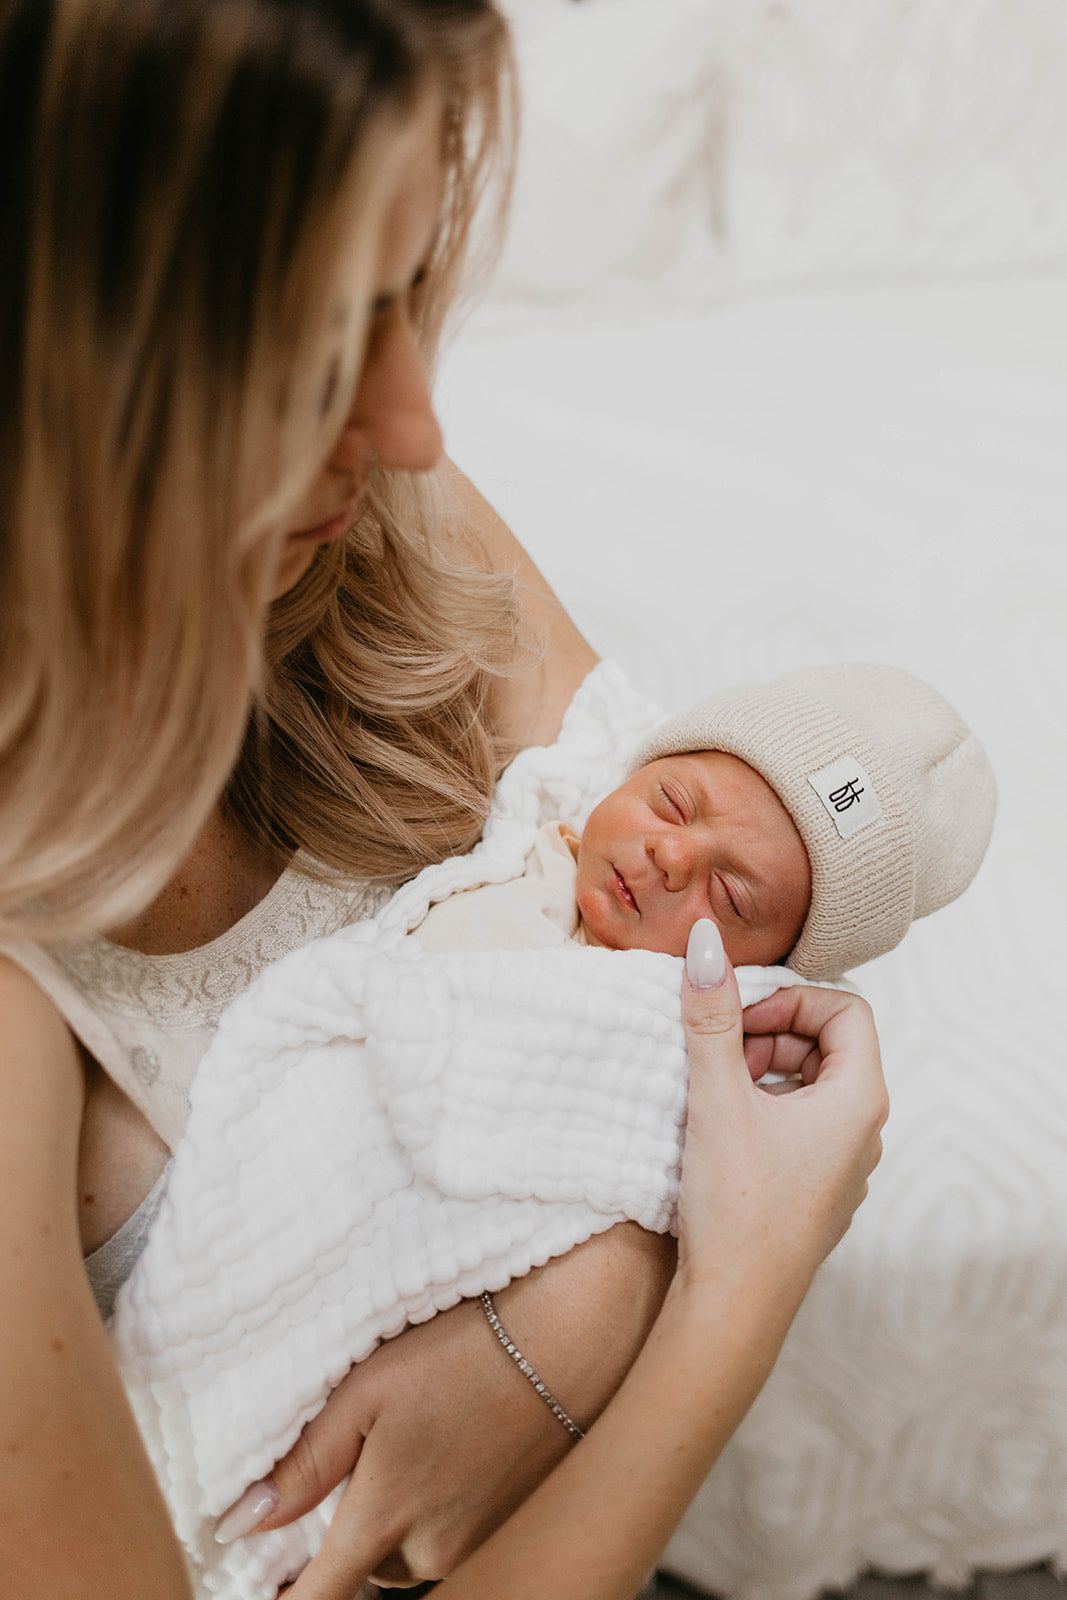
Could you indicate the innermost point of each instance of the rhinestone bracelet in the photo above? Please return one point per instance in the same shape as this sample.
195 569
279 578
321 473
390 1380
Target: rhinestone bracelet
525 1368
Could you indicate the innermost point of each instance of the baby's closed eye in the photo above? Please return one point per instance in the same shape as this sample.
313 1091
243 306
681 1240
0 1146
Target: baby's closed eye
671 804
732 894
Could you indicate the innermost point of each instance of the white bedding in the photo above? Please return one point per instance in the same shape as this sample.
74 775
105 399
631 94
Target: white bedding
868 473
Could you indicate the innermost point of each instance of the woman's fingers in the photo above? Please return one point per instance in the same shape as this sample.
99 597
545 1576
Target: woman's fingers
719 1079
350 1552
840 1024
786 1053
357 1540
753 1158
325 1452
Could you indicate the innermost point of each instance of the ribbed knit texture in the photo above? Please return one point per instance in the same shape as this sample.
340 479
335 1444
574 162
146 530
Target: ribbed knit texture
932 778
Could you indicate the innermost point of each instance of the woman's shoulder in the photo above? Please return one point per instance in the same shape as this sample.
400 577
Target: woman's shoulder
42 1085
32 1022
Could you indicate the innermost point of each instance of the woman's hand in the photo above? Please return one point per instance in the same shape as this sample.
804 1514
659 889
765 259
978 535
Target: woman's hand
774 1177
769 1184
445 1435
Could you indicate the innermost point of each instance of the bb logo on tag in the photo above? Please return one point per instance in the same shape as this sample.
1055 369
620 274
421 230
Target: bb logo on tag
848 795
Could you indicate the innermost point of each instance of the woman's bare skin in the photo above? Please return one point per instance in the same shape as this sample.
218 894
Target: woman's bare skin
82 1513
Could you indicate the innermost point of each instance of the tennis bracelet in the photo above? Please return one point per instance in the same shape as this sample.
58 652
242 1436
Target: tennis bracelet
525 1368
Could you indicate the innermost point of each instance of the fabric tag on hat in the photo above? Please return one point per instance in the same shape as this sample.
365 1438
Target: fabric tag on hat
848 795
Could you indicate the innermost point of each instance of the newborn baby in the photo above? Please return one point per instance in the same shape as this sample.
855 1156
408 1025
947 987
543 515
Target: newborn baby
733 811
687 836
379 1130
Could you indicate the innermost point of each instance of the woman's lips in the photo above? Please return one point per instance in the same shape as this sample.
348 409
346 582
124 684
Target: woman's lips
623 892
326 532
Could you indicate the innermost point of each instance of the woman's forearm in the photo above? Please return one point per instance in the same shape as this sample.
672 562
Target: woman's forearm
592 1529
82 1514
582 1318
596 1525
84 1517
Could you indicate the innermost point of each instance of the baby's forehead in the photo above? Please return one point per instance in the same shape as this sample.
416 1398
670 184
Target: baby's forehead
708 761
725 780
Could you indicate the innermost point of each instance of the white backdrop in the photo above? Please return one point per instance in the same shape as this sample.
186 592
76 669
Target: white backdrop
775 372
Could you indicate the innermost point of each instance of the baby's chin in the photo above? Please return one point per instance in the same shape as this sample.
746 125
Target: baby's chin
625 939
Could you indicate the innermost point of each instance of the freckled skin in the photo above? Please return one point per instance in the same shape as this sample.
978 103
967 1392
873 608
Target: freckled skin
700 835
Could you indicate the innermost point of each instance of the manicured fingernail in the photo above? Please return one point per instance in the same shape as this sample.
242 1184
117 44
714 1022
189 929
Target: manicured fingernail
705 958
257 1502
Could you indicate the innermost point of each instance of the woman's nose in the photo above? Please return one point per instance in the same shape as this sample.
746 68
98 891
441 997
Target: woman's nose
392 417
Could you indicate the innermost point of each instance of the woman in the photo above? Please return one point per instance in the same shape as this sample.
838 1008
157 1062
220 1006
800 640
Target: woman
260 661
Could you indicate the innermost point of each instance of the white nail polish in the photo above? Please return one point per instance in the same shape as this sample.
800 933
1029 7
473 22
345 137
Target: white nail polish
257 1502
705 958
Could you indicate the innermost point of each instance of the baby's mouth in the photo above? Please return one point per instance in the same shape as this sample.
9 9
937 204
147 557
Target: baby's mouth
624 892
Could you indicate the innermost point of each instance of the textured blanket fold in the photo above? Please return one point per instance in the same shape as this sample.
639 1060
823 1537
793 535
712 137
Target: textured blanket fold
378 1132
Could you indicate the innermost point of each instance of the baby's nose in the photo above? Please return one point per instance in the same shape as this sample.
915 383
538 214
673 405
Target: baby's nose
673 857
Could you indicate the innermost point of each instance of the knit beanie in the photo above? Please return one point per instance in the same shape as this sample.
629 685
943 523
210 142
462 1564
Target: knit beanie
890 791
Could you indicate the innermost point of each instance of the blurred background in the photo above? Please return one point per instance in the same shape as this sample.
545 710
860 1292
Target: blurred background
774 371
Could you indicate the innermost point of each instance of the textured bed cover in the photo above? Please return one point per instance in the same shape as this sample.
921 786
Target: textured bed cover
873 474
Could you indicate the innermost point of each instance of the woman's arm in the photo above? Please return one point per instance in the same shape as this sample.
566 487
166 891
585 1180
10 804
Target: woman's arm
83 1515
448 1435
770 1185
528 708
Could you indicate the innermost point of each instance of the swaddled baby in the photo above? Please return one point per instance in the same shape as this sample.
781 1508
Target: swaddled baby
386 1124
812 818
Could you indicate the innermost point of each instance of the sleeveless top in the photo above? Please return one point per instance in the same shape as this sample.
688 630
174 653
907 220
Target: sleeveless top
149 1019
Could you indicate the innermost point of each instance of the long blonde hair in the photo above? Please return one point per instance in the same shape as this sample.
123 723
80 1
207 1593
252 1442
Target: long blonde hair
176 215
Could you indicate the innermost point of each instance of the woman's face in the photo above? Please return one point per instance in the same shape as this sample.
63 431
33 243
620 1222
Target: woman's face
391 422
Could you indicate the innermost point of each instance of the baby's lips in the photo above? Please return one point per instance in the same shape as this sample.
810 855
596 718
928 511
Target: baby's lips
627 893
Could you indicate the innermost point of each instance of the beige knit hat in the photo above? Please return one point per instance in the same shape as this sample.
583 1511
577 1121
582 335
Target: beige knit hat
890 791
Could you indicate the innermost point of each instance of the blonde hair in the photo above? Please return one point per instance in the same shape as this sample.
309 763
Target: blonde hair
182 175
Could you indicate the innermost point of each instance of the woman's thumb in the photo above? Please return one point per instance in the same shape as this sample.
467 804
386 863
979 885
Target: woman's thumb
711 1005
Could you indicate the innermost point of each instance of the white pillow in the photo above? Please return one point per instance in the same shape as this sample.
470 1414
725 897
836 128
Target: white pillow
677 148
615 175
873 137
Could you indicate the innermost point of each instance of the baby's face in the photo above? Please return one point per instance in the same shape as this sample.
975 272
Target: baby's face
699 835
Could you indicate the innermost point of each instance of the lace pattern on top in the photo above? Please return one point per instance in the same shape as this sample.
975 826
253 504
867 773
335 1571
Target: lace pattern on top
148 1019
194 987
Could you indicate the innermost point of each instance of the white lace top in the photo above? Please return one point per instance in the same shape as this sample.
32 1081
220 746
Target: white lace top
148 1019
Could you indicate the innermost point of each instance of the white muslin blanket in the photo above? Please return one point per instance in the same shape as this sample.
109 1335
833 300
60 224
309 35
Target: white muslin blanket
377 1132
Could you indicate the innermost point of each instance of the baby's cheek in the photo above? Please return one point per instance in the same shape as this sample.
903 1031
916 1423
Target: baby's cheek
758 950
667 939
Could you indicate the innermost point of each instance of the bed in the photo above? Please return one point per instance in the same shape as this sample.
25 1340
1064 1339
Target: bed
774 371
